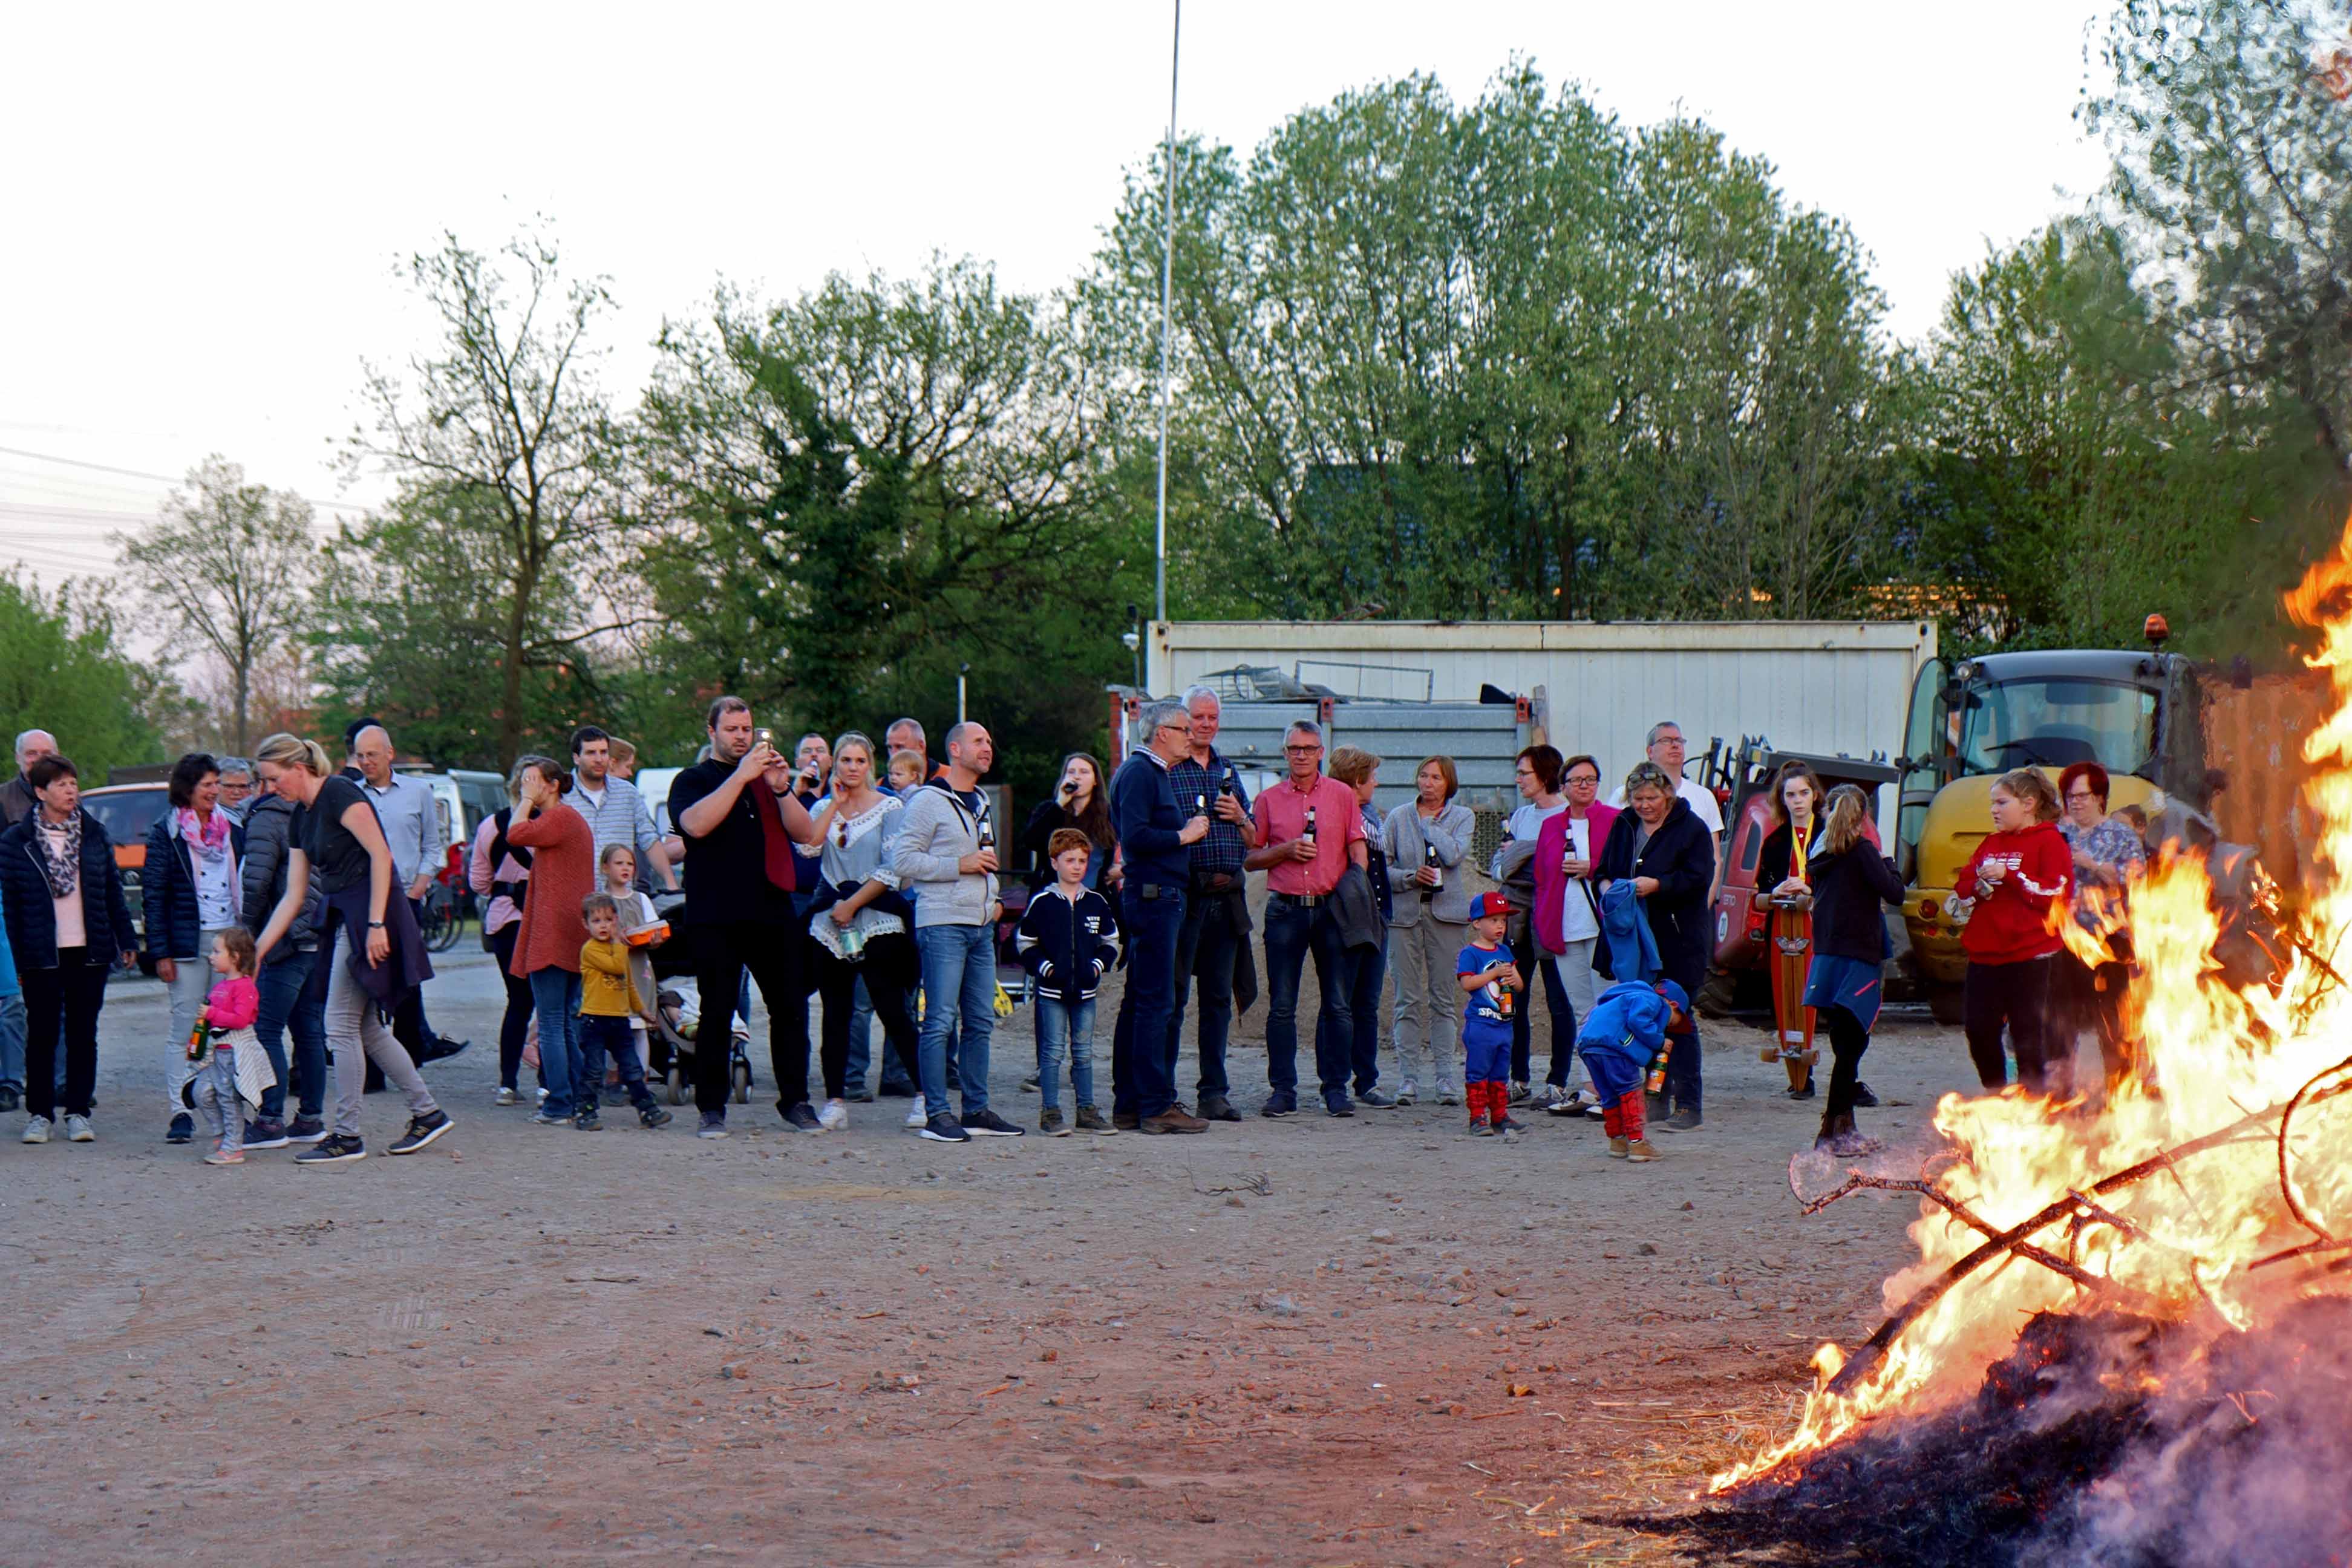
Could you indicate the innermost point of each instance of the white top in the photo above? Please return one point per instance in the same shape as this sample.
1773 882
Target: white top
1577 921
1701 799
71 933
215 890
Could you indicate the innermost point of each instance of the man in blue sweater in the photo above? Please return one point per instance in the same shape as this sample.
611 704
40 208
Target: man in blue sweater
1155 837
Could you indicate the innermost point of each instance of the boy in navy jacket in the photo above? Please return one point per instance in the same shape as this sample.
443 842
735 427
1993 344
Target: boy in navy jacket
1068 939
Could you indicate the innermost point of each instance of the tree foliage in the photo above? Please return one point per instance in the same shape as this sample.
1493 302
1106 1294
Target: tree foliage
63 668
226 569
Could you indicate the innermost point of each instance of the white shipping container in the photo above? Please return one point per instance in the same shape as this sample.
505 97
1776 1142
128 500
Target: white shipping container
1809 686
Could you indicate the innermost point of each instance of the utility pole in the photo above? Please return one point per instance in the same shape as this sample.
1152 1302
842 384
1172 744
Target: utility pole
1166 278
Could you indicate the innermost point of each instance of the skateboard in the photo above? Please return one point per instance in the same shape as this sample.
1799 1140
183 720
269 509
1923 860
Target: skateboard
1789 943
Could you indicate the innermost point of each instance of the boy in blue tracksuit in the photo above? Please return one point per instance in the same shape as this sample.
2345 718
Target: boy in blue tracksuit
1621 1036
1067 939
1488 977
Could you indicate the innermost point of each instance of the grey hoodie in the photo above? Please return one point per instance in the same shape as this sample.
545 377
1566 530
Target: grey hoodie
936 832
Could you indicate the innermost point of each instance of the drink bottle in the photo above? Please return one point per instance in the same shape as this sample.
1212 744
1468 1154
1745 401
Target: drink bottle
1436 872
199 1040
1307 838
1657 1078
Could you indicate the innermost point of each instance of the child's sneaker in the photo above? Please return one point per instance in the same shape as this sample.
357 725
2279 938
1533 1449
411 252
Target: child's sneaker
1617 1147
1503 1122
652 1115
584 1119
220 1156
1050 1122
1639 1151
1093 1120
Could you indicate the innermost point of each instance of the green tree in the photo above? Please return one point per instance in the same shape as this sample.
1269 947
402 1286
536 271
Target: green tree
63 668
226 569
501 435
850 494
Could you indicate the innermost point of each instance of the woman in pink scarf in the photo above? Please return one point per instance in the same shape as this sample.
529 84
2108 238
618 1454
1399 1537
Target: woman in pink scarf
189 891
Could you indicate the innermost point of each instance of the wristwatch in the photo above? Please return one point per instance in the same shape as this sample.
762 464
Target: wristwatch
375 925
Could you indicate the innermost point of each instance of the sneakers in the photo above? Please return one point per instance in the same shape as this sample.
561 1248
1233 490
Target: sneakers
422 1129
335 1150
1375 1100
917 1117
1519 1093
1640 1151
986 1123
1215 1107
11 1097
1407 1092
944 1128
1503 1122
1093 1120
1029 1085
508 1097
1449 1096
1803 1091
1618 1147
183 1129
36 1129
1282 1102
834 1117
1682 1121
584 1119
305 1130
266 1132
1548 1098
652 1115
1573 1104
803 1117
1175 1119
1862 1097
1337 1104
540 1118
78 1130
221 1156
1050 1122
714 1125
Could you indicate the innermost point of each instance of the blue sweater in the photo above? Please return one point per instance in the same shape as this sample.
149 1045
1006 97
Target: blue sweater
1629 1019
1143 810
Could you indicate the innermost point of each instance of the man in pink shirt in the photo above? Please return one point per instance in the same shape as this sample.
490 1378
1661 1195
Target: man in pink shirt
1308 831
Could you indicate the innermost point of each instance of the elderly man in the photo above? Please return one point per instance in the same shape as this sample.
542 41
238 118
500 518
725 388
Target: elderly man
1156 833
945 855
615 812
1216 926
235 786
411 819
1309 830
1667 749
17 796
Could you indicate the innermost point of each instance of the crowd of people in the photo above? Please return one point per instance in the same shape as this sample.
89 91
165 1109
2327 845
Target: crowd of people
281 912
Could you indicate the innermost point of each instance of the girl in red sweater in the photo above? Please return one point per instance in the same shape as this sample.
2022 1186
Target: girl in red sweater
2016 873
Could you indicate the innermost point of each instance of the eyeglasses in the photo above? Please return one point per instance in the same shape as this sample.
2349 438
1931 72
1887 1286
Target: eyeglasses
2079 796
1586 779
1303 751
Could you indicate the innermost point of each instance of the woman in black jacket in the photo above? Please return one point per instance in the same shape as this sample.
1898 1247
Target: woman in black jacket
1078 801
289 1002
1660 846
1793 800
1850 880
58 879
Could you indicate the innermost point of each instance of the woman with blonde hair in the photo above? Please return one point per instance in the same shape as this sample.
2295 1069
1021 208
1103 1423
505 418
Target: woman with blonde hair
1425 841
1850 882
367 938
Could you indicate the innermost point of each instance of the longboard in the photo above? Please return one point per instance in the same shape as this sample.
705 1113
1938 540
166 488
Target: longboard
1791 941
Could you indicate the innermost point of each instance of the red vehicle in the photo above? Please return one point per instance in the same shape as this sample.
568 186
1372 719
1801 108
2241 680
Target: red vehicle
1739 926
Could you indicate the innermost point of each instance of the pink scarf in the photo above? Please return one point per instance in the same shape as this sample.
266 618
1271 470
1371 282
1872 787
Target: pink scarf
207 844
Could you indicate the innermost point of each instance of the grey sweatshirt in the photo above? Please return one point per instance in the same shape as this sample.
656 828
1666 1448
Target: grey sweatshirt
936 832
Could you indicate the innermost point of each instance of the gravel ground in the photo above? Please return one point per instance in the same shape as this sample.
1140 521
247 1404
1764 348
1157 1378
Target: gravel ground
1374 1340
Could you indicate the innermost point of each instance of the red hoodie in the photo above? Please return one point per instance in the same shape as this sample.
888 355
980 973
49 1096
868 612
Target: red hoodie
2011 919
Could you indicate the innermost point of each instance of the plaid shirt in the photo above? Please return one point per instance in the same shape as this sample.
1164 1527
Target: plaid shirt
1222 849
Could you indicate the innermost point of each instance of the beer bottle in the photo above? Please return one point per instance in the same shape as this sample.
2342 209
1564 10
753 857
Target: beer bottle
1657 1079
1436 872
987 830
199 1040
1307 838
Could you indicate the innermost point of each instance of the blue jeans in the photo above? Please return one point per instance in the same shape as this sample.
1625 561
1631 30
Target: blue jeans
1292 932
599 1036
1206 951
1368 970
287 1003
1146 1084
555 997
1066 1029
12 1041
958 979
1683 1068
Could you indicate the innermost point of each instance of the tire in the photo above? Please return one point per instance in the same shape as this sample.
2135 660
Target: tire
1720 995
1944 1002
742 1083
675 1097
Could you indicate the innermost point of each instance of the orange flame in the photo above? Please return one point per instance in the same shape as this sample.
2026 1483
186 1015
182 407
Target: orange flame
2212 1052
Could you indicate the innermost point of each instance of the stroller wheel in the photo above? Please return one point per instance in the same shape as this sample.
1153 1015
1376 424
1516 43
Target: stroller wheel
742 1083
675 1097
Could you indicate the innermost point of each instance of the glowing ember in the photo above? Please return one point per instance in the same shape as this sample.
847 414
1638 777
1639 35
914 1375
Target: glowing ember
2164 1201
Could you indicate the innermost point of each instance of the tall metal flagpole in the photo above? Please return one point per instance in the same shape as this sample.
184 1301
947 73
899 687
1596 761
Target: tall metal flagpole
1167 277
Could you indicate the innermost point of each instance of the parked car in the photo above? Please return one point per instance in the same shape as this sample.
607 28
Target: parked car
128 812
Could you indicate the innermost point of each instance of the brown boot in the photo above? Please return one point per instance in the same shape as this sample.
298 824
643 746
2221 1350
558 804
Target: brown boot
1175 1119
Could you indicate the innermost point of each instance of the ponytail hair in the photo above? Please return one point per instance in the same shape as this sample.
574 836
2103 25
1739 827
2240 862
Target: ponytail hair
1849 816
288 751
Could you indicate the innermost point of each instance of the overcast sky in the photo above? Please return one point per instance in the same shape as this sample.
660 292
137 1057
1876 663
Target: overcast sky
204 205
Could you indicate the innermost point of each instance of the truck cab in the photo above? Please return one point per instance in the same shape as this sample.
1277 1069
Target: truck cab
2135 714
1739 926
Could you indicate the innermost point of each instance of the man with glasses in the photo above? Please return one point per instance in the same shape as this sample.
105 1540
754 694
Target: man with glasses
1216 905
1155 835
1668 750
1310 829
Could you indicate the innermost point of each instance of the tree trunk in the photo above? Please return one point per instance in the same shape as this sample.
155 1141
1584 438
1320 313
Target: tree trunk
510 690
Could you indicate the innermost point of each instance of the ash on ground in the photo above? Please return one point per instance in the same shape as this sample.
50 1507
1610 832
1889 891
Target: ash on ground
2106 1439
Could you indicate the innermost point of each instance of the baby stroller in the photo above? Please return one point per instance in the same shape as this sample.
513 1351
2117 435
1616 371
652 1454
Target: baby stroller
664 976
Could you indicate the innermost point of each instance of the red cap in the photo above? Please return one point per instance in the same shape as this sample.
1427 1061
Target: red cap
1490 904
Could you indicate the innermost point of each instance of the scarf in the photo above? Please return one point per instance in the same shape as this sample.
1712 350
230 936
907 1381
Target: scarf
63 869
208 845
776 844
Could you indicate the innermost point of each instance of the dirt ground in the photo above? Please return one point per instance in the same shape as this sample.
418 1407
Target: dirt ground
1372 1340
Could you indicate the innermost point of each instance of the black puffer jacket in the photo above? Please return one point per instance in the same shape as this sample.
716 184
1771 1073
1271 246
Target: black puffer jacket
32 912
268 829
1681 855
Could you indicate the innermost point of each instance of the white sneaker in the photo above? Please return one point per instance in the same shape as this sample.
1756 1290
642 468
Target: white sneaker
1408 1092
834 1117
78 1130
508 1097
919 1117
36 1129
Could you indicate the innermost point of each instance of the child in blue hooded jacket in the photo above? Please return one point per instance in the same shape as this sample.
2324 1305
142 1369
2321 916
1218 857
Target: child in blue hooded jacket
1621 1036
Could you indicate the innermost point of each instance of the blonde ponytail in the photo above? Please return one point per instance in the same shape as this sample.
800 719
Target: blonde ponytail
293 751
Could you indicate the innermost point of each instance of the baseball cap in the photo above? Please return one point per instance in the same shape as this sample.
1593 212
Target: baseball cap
1489 904
1674 993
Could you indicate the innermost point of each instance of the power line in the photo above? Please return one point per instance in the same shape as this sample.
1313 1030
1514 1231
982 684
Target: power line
142 474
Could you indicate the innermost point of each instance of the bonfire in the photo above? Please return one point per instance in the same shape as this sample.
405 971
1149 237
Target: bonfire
2127 1337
